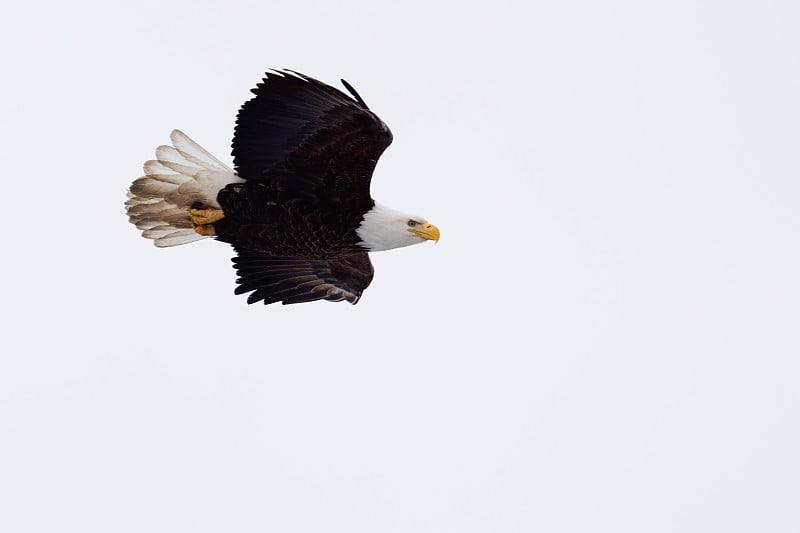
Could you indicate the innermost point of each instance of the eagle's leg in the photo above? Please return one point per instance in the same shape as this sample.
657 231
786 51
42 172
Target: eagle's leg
203 219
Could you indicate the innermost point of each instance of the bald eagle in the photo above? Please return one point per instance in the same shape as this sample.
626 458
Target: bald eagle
296 207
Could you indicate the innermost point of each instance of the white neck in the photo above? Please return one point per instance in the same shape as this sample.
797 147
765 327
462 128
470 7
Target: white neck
384 228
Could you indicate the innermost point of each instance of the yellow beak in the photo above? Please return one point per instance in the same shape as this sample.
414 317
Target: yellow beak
428 231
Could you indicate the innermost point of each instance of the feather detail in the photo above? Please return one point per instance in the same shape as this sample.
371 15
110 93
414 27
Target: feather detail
182 175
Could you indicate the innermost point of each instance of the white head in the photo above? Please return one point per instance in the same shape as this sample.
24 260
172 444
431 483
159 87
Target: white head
384 228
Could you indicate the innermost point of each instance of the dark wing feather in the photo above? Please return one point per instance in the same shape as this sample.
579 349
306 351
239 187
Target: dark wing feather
292 280
304 136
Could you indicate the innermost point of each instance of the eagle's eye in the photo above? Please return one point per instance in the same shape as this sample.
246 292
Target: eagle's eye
412 223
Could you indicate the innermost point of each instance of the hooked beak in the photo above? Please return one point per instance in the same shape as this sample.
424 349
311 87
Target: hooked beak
428 231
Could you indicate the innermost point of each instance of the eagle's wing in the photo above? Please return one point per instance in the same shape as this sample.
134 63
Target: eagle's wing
291 280
308 139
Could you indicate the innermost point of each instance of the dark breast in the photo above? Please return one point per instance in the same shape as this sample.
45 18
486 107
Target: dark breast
260 216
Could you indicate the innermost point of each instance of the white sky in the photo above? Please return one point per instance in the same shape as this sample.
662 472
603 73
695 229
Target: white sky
605 339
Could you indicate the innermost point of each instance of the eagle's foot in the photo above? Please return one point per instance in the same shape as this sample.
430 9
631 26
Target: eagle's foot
206 230
203 219
205 216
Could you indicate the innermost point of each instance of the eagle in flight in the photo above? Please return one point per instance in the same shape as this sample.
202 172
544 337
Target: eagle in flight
296 206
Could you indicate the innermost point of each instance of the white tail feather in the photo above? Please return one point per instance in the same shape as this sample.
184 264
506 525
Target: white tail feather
184 174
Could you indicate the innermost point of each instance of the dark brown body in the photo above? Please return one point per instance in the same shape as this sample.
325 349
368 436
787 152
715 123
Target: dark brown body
306 152
262 219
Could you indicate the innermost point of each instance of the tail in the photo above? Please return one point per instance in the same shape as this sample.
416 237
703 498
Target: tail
183 176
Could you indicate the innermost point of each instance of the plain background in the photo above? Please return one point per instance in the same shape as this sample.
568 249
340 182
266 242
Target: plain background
605 339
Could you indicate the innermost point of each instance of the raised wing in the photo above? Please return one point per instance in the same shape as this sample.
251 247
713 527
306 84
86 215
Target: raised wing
303 135
291 280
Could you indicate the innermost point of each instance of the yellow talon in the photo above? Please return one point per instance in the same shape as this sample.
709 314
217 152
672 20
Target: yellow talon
209 215
203 220
206 230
